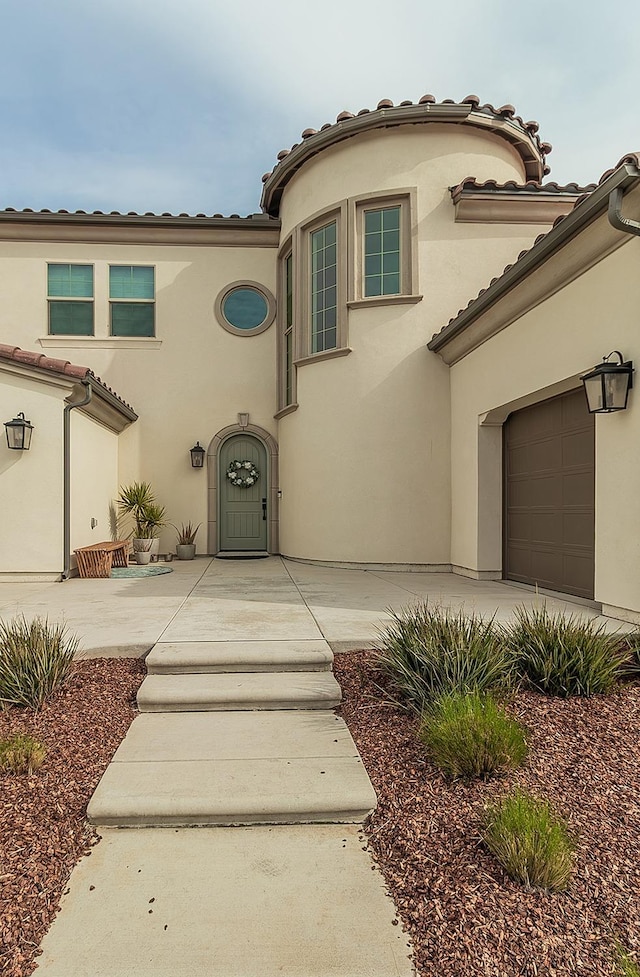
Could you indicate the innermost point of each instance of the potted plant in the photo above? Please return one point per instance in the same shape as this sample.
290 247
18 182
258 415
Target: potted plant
186 546
138 501
143 553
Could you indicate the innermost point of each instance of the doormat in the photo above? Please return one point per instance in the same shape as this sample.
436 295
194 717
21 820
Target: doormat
242 555
141 571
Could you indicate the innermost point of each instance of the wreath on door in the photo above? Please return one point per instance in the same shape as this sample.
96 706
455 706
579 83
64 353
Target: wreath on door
242 474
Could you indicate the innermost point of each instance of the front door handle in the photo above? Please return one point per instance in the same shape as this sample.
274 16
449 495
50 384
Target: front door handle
264 510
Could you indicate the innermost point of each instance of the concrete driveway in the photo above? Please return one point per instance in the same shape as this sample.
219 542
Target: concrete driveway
238 600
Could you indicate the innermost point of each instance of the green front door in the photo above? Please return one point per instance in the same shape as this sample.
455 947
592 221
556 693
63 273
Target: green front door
243 507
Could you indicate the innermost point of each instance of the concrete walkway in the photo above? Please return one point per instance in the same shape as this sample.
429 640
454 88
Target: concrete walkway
236 728
220 600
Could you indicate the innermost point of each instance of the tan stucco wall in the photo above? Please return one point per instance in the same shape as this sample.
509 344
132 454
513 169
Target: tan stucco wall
31 482
186 387
365 459
94 479
540 354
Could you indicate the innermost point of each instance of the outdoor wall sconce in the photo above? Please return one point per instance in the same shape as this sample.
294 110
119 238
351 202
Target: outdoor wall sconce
607 386
19 433
197 455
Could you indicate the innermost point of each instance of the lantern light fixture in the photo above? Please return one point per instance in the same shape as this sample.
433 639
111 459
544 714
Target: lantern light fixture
197 455
19 433
607 386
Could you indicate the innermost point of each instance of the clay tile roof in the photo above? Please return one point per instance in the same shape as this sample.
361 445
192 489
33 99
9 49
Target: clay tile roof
39 361
471 185
8 212
585 193
523 135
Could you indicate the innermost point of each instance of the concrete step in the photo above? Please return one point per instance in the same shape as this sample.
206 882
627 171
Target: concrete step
236 768
183 657
239 691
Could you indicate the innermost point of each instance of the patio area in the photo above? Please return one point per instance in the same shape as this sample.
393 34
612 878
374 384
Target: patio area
239 600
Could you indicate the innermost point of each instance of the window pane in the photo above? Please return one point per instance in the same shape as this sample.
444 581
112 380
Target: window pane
382 252
390 241
288 369
289 289
391 284
373 265
245 308
131 282
71 318
70 280
132 319
324 292
372 221
391 218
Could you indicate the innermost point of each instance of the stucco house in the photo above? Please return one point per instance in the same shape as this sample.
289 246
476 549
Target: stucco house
321 341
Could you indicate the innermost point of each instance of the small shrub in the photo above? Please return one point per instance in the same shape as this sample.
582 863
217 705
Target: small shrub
530 841
428 652
21 754
565 655
470 735
35 658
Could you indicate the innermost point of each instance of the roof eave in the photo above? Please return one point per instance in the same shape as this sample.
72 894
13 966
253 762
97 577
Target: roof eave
584 214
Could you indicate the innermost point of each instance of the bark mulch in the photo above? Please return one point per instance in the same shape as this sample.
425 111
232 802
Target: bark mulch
461 911
43 827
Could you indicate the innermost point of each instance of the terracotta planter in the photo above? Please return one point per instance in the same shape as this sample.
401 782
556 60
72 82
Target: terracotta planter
186 551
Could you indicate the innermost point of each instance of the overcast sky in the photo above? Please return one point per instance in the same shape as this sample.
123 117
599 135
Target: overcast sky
165 106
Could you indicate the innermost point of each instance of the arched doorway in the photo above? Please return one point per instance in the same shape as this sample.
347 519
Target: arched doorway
243 500
243 511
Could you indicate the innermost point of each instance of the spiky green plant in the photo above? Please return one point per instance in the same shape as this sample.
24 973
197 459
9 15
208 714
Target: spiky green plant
565 655
430 651
35 658
138 501
531 842
21 754
469 735
187 533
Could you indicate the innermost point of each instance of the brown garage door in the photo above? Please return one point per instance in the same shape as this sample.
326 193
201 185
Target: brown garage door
549 463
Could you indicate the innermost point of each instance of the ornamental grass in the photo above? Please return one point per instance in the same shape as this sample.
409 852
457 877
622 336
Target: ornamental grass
21 754
469 736
530 841
565 655
430 651
35 658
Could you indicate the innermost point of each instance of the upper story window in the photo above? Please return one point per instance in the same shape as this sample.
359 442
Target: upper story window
384 268
245 308
382 252
288 331
324 288
132 300
70 299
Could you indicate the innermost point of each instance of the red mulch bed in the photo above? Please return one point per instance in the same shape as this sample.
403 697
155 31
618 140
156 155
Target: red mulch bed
43 829
462 912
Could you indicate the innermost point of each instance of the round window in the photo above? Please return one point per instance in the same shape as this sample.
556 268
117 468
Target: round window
245 308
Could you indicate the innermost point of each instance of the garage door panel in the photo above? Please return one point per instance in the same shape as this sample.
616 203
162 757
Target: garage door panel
536 491
578 489
576 529
575 448
549 495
